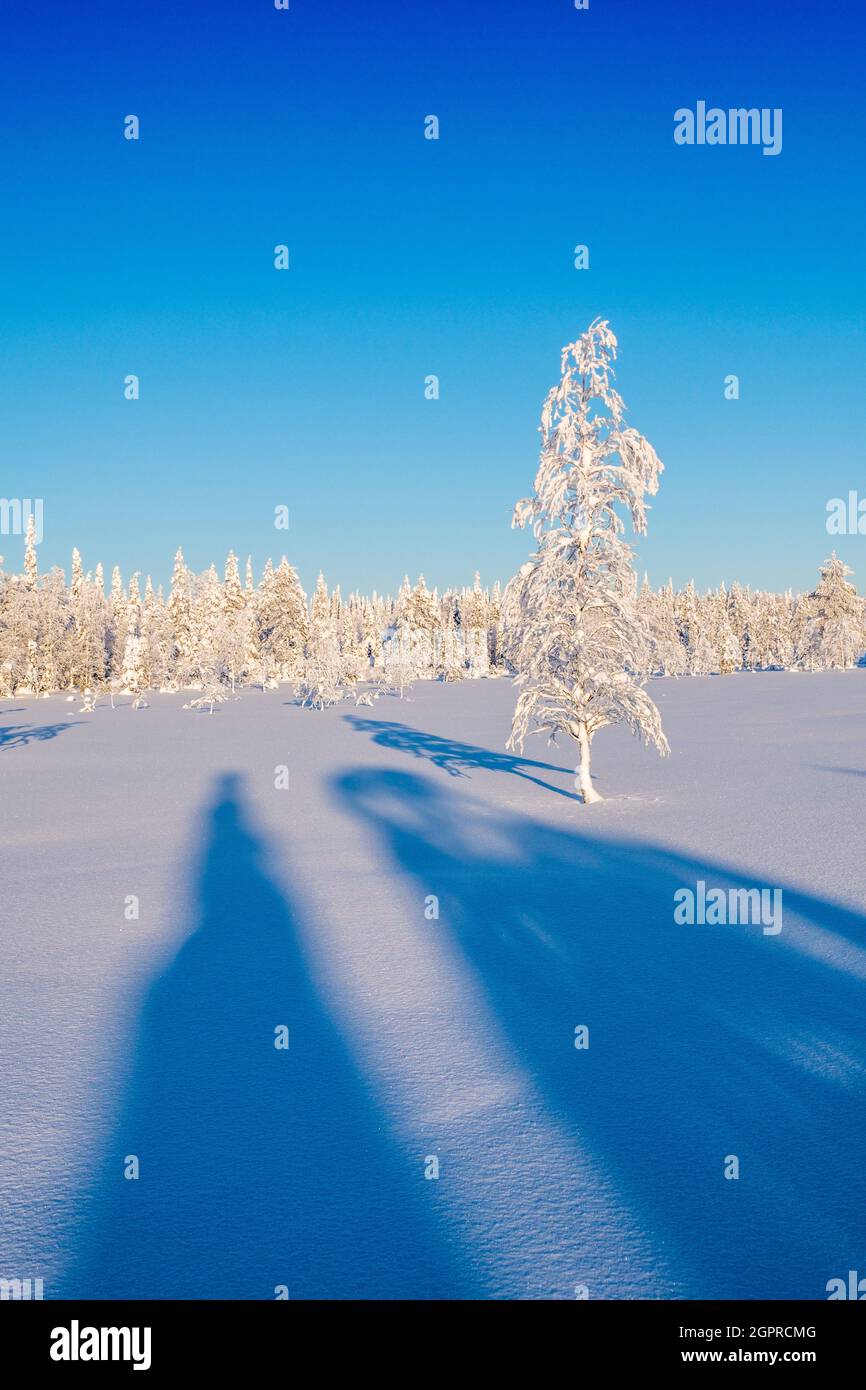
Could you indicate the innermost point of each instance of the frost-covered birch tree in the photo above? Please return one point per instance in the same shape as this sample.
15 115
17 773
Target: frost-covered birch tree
574 632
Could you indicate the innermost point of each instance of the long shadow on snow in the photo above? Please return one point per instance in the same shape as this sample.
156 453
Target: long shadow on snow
847 771
705 1041
455 758
17 735
258 1167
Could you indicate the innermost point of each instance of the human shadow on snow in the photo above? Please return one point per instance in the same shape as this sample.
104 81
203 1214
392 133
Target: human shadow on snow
705 1041
455 758
259 1167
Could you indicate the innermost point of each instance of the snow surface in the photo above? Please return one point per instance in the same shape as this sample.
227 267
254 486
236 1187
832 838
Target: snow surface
412 1038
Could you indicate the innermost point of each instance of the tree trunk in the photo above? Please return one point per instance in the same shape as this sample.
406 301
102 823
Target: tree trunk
582 778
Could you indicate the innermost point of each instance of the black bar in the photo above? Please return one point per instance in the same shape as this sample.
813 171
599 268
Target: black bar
227 1338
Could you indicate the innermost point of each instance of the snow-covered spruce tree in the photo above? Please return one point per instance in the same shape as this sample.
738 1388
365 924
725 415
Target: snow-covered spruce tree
132 670
133 607
53 633
117 626
742 617
473 616
494 615
802 632
232 634
157 640
180 599
90 634
837 631
283 622
773 646
253 662
420 622
575 635
693 622
402 599
17 619
8 645
321 624
322 681
353 652
206 621
667 655
727 650
31 569
76 585
450 662
372 624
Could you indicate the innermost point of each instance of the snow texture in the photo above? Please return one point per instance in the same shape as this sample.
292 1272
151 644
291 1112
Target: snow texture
412 1036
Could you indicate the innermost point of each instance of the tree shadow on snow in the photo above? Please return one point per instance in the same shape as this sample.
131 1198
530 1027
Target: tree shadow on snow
705 1041
16 735
455 758
259 1167
846 771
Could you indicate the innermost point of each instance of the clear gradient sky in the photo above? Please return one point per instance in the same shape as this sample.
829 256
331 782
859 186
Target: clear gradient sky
411 257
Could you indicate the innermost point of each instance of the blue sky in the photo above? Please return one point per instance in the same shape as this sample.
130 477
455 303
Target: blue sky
411 257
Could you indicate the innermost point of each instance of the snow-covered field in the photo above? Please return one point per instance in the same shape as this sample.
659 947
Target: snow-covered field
416 1038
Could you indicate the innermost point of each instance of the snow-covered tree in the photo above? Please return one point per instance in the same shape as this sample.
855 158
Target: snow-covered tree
322 680
206 625
494 618
180 599
282 621
76 574
132 669
771 632
232 629
157 641
741 612
91 621
8 643
419 623
450 662
402 599
31 569
50 633
727 651
837 628
372 626
667 653
354 659
321 618
693 620
117 626
398 672
233 594
212 694
575 634
473 613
